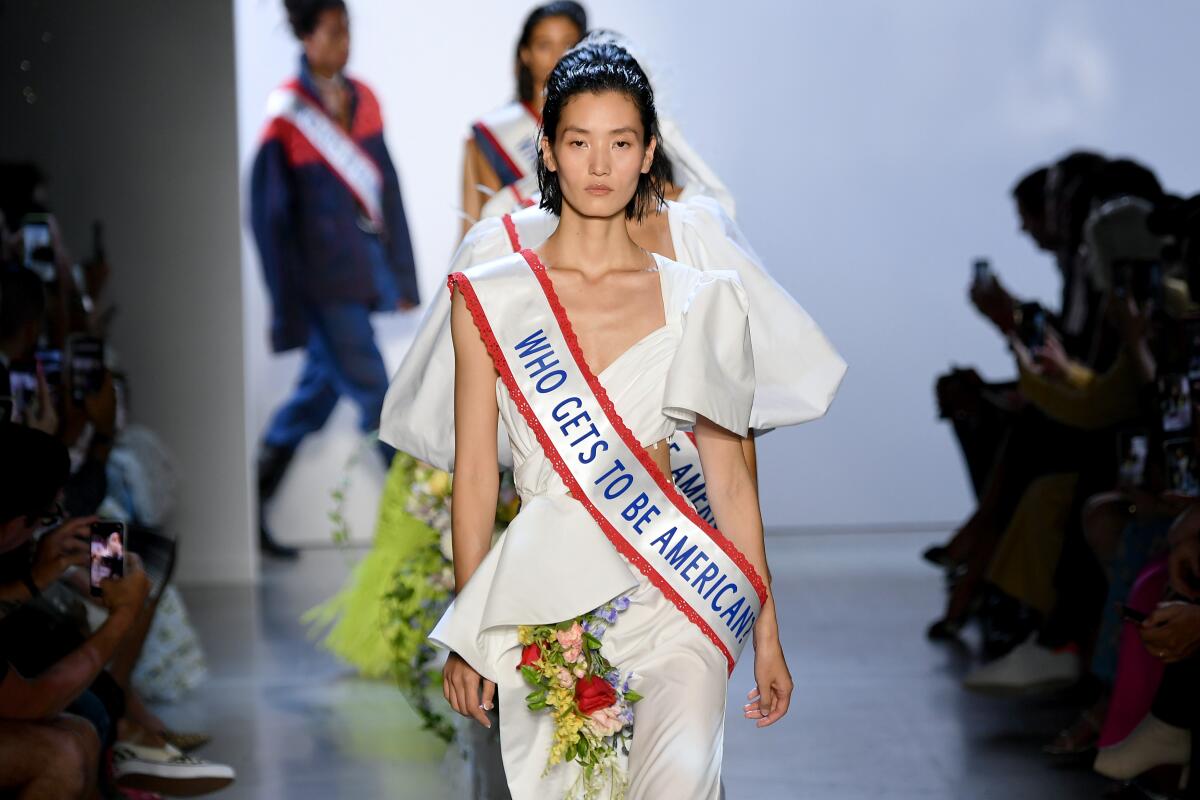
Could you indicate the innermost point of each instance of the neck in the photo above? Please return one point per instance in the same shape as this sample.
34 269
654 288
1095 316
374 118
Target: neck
593 245
539 98
323 72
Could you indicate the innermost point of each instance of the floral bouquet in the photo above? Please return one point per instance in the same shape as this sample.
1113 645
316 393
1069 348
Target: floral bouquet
591 705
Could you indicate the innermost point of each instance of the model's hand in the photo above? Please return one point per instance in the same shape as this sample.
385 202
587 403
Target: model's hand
1172 632
769 700
461 686
65 546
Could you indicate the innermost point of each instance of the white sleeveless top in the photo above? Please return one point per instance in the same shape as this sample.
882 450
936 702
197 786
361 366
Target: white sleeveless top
700 363
797 369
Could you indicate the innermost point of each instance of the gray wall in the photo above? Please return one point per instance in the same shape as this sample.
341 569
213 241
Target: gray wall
135 121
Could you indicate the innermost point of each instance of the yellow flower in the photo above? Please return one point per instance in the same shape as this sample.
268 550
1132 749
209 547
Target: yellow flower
525 634
439 483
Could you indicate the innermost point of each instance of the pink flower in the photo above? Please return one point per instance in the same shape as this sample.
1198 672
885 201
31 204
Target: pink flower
572 638
565 679
573 655
605 721
580 672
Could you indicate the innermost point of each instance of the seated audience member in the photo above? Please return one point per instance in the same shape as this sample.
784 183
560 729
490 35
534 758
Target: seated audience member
46 748
52 664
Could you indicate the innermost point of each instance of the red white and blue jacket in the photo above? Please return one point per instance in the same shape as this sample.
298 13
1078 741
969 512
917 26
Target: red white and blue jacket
309 226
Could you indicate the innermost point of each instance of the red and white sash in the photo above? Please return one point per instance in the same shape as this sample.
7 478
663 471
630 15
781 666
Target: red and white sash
513 131
529 337
685 458
357 170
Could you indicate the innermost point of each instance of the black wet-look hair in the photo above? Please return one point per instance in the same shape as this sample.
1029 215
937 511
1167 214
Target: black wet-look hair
560 8
595 69
303 14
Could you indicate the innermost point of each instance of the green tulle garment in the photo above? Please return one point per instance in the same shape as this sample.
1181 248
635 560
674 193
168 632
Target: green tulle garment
364 628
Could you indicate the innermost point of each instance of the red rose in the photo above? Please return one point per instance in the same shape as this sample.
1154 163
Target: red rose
529 654
594 693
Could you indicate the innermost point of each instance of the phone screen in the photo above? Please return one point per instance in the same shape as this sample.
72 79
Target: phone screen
108 552
85 359
39 247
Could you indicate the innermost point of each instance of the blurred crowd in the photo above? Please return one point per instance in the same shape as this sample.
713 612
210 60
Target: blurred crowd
92 633
1081 561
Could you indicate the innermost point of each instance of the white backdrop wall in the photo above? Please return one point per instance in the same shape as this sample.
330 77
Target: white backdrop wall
870 146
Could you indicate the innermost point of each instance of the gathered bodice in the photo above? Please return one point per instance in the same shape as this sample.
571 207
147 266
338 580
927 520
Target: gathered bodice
635 383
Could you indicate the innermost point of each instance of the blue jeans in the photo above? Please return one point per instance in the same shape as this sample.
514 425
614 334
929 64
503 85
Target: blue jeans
341 359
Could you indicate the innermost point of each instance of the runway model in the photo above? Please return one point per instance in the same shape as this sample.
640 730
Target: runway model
591 363
502 150
328 219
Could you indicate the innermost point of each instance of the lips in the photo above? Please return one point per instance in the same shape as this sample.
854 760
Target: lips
598 189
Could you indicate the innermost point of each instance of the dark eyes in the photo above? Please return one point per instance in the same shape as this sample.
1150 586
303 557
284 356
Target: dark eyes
581 143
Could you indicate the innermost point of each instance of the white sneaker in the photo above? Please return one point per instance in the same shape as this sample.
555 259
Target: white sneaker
1153 743
1028 668
166 770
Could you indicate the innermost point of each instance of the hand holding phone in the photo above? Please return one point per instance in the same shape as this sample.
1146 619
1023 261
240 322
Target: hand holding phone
129 591
982 271
1130 614
107 553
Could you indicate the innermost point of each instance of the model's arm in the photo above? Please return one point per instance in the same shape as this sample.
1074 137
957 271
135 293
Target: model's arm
476 171
399 241
750 453
476 470
734 499
476 486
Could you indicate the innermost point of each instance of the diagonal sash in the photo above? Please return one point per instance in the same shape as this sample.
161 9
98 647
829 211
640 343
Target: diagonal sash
527 333
511 133
686 469
336 147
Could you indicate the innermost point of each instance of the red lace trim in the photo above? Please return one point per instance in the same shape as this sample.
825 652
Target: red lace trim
510 227
461 282
664 483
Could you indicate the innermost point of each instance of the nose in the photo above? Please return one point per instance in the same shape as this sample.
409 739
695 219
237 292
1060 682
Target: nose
598 163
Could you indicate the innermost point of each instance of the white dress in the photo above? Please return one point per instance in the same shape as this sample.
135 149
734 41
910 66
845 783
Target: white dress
554 563
798 371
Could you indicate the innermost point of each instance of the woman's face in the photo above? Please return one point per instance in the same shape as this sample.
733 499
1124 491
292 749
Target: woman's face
598 154
551 37
328 46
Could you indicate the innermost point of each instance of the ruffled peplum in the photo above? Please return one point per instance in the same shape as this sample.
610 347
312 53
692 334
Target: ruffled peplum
553 563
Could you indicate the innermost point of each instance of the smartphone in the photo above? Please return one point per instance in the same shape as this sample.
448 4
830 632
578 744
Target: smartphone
1133 615
39 246
982 271
1133 450
85 360
1032 330
108 552
1180 461
1175 402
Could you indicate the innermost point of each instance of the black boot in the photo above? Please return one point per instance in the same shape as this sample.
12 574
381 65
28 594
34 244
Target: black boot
272 465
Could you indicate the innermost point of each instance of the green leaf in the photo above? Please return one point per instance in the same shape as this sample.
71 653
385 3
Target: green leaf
535 696
592 642
538 706
632 696
531 675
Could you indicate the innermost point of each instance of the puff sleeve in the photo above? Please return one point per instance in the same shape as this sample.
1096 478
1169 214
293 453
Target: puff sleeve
712 374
